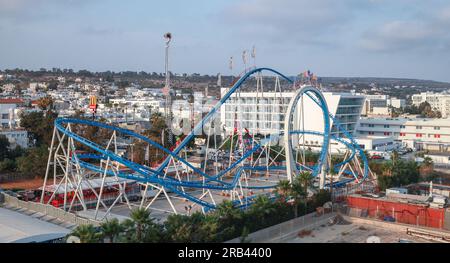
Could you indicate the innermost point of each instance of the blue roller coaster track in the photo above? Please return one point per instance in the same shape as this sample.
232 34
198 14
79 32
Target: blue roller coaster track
157 176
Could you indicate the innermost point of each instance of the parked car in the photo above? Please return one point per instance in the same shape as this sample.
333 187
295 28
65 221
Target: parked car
377 157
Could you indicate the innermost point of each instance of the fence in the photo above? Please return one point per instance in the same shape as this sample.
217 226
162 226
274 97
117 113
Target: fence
287 230
423 218
48 210
339 194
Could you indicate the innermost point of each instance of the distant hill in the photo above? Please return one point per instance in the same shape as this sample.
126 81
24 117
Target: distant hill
387 82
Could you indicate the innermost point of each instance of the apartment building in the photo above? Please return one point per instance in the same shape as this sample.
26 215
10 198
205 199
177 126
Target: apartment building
379 104
437 101
16 137
418 133
8 117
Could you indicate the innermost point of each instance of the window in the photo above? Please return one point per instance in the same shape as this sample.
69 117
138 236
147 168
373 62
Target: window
402 126
5 116
371 133
386 126
437 136
418 127
371 125
437 128
387 133
402 134
419 135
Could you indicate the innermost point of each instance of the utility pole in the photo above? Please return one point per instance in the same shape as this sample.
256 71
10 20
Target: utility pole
254 56
244 59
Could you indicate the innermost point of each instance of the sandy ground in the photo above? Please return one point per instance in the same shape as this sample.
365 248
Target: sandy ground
28 184
354 233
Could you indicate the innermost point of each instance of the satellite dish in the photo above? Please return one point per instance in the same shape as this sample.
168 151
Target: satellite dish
73 239
373 239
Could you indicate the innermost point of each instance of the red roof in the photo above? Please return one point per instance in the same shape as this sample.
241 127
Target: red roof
11 101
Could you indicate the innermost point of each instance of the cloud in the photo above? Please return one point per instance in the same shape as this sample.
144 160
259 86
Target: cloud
28 11
428 33
303 21
97 31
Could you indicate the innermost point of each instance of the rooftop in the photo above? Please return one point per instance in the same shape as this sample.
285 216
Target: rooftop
20 228
11 101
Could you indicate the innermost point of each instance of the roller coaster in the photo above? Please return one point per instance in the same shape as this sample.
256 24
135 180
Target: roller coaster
240 167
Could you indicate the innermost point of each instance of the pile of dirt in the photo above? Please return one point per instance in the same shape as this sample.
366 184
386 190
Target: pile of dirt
338 220
304 233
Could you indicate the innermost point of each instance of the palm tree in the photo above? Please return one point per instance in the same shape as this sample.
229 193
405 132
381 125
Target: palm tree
305 179
394 157
262 206
427 161
283 189
86 233
297 193
142 220
262 209
111 229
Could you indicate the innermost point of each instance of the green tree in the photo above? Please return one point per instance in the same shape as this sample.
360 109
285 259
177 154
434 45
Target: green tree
141 227
178 229
427 161
283 189
230 220
260 212
39 126
244 237
111 229
305 179
34 162
87 234
4 147
7 165
297 194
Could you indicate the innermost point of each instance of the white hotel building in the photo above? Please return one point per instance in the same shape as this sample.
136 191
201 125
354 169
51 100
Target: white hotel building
258 117
437 101
418 133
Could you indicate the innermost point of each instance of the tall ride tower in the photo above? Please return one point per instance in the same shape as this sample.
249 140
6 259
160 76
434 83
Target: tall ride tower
166 90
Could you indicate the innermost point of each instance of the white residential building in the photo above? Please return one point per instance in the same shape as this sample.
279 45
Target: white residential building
8 117
16 137
418 133
374 104
397 103
437 101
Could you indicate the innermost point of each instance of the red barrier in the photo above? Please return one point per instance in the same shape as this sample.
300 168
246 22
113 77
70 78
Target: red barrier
414 214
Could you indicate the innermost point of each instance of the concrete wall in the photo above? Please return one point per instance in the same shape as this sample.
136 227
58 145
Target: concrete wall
286 229
47 210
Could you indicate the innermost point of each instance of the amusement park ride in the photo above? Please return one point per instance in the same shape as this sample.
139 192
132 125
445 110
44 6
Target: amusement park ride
99 178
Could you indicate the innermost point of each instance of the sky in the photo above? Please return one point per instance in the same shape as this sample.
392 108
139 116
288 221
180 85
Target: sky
345 38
